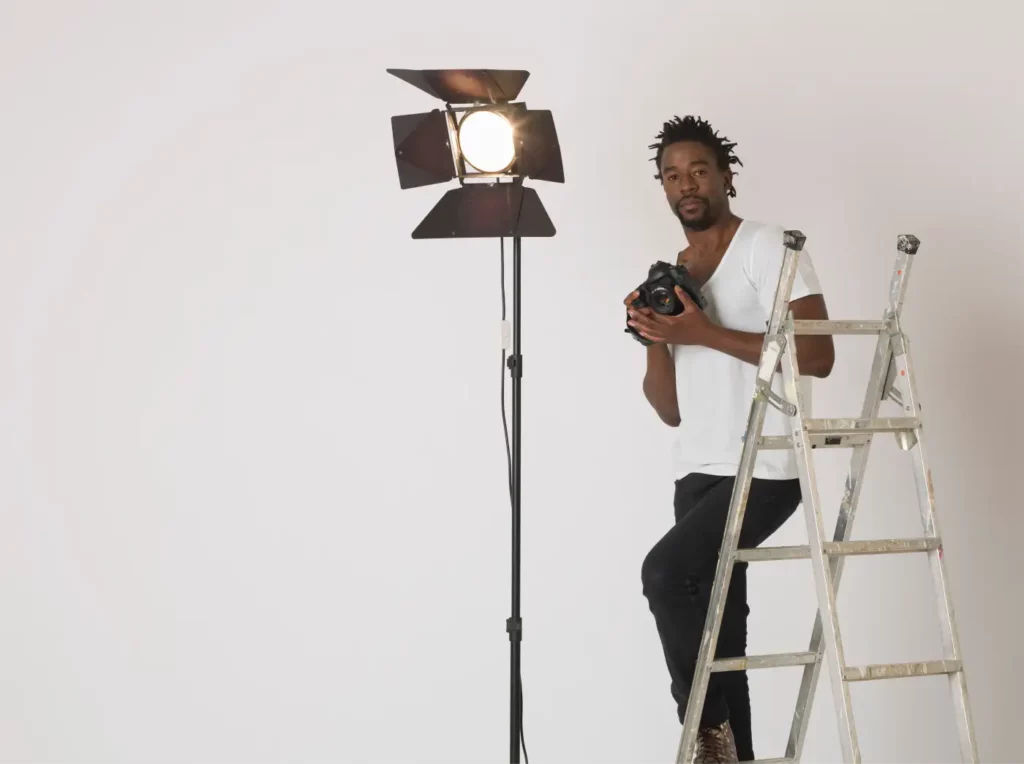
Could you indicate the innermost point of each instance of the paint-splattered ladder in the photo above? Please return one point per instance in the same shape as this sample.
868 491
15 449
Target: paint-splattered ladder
892 378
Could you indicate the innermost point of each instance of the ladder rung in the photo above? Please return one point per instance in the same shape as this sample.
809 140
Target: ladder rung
818 440
774 442
767 553
873 546
764 661
839 327
900 670
861 426
881 546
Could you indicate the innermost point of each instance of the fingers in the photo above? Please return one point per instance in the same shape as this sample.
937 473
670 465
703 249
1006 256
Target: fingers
647 325
632 296
688 302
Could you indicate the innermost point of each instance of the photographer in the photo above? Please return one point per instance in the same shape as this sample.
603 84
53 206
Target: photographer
701 368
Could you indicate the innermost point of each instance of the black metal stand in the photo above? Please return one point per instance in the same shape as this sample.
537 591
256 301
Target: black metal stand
514 625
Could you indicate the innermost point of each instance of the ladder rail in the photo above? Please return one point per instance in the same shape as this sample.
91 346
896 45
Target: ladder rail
771 350
940 582
873 397
820 564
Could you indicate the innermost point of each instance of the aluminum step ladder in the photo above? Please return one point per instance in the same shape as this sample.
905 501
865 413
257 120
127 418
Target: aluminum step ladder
892 378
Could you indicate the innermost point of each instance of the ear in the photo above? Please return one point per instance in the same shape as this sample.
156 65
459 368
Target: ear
730 189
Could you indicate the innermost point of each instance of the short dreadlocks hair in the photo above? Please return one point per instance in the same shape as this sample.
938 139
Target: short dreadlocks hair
691 128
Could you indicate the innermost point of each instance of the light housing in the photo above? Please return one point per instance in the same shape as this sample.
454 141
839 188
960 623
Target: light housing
444 145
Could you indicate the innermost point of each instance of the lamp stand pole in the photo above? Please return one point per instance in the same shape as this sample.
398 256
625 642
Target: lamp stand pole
514 625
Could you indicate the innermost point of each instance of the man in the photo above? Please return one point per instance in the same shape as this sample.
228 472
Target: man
700 378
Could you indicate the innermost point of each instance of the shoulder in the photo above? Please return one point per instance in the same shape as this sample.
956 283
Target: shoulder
767 246
763 244
764 237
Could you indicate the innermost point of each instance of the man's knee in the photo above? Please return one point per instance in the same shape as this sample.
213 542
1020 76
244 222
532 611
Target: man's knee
663 581
652 576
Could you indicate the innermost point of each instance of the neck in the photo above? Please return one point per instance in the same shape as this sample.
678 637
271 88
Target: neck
707 247
714 238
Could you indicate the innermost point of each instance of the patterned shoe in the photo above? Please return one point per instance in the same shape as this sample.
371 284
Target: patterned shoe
716 745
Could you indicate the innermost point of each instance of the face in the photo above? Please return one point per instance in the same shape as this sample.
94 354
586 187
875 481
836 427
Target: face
696 188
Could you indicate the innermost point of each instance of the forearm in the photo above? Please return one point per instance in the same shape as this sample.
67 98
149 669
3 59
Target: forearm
743 345
813 353
660 384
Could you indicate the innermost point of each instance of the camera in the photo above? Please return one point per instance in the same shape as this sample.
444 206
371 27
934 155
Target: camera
658 293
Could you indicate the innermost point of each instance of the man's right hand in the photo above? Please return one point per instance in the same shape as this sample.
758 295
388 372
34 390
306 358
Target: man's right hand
632 312
660 379
628 302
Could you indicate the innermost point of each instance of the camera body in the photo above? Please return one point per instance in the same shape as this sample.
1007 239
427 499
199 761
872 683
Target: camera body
658 293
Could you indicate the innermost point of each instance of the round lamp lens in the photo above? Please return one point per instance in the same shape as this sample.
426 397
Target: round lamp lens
485 138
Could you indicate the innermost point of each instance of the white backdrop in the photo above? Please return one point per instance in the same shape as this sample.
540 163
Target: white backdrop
252 473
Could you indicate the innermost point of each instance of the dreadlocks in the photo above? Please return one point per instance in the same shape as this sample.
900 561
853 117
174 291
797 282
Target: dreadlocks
696 129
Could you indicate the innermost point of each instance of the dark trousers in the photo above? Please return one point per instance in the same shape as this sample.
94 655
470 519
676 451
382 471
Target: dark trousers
679 573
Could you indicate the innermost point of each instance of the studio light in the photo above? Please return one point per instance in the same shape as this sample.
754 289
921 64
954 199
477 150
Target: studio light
490 145
486 141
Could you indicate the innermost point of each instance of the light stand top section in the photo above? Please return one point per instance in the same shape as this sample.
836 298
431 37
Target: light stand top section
466 86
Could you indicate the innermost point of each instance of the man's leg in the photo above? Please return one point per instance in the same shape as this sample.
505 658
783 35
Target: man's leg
732 643
733 635
678 574
688 493
672 577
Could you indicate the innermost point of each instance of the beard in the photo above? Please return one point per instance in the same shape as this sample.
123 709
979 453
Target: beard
696 221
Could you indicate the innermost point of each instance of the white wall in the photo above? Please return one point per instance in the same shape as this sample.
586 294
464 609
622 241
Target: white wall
252 468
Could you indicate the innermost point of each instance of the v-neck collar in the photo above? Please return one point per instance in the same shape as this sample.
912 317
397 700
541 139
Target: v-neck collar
732 244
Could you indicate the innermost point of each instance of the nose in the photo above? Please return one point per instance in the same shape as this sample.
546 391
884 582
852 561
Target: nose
687 184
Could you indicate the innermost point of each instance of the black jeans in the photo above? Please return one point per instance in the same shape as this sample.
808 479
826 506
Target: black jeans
679 573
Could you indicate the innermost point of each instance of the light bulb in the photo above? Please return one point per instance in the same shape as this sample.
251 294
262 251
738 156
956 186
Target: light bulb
485 138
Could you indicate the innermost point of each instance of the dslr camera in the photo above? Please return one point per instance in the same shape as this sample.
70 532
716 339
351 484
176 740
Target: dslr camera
658 293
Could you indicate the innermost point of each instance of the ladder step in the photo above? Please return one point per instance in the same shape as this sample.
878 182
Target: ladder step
839 327
861 426
882 546
764 661
818 440
837 548
900 670
841 433
767 553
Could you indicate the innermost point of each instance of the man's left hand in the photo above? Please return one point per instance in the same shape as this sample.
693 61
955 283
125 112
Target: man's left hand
691 327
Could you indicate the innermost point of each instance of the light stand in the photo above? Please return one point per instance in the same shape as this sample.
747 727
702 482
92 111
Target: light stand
514 625
432 148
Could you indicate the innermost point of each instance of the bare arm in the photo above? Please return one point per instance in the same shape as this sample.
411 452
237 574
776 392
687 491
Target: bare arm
815 352
660 384
660 377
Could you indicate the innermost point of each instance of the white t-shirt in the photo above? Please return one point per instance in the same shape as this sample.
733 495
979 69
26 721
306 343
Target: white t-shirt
715 390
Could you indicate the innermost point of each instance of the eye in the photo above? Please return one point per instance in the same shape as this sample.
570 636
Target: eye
700 173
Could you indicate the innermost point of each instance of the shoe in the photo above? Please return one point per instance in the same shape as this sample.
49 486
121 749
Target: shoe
716 745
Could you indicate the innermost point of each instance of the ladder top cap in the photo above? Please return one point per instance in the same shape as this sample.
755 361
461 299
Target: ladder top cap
794 240
908 243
